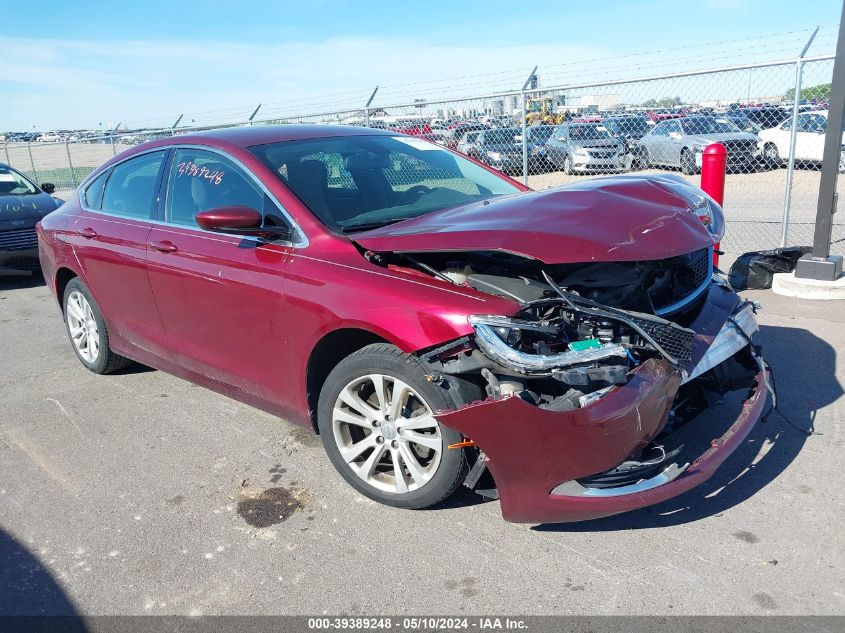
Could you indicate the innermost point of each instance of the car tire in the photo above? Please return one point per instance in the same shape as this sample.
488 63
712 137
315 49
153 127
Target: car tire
639 159
771 155
688 167
842 160
366 444
87 331
568 167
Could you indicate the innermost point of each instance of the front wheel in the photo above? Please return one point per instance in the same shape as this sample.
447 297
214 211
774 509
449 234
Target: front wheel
377 424
568 165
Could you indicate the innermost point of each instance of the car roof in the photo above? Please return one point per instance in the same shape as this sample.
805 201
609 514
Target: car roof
249 136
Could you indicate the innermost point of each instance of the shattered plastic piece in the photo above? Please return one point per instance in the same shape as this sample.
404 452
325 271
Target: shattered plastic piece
592 343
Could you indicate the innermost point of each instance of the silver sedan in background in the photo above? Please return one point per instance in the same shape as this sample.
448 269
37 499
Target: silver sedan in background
581 147
680 142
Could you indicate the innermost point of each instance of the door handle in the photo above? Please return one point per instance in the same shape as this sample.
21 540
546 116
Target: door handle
164 246
87 233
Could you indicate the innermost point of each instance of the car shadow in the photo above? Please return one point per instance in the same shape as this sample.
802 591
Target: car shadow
19 282
804 366
28 591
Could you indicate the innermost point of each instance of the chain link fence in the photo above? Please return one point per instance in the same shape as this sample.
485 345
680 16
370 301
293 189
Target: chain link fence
771 117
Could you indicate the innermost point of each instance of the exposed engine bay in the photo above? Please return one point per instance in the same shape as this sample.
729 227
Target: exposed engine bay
581 327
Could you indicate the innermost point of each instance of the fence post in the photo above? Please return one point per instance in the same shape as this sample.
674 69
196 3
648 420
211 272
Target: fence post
525 126
524 141
793 136
6 149
32 162
70 164
367 108
254 112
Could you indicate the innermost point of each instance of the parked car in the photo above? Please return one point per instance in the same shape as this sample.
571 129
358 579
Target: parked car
809 140
454 135
501 148
433 320
742 122
765 116
22 205
680 142
414 127
582 147
628 130
49 137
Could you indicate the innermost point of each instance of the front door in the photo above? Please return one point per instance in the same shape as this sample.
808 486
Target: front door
221 297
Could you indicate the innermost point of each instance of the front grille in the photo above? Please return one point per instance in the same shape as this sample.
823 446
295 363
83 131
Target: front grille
602 153
18 240
674 339
662 286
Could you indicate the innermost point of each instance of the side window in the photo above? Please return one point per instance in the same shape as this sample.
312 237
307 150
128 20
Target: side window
131 188
93 194
803 123
660 130
673 127
201 180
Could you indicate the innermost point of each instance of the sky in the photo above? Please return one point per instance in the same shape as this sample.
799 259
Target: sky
142 64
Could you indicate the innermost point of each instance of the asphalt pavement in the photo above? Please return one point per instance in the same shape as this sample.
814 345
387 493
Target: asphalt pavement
139 493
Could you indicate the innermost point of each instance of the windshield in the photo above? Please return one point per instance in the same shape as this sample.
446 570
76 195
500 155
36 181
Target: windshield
540 133
354 183
503 136
14 184
708 125
628 126
588 131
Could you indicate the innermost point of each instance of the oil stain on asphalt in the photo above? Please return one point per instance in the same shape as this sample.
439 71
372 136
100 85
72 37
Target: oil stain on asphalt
271 506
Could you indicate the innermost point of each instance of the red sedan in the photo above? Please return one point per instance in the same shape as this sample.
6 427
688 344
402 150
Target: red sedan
435 322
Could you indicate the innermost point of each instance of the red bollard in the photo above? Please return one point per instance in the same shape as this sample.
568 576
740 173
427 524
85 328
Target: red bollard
714 162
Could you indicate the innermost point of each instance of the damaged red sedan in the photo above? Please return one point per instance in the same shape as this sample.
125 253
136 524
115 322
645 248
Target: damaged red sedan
435 322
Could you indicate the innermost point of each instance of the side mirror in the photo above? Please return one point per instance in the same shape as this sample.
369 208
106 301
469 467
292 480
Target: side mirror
48 187
675 136
239 220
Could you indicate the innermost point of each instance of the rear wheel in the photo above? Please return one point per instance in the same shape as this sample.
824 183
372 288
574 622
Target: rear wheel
376 421
87 330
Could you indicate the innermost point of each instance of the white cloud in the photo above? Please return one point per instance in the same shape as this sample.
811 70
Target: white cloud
65 83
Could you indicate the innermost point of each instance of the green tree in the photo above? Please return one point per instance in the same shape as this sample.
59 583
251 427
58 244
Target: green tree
821 91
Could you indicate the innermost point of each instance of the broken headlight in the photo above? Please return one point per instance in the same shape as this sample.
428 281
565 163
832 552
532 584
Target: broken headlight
499 338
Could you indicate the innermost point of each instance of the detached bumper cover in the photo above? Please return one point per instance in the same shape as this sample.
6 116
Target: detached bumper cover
535 454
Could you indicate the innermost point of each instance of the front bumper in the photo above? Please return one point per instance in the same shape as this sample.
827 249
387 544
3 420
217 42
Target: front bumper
19 262
592 163
535 455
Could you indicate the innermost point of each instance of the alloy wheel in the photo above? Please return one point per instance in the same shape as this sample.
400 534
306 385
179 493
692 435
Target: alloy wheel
83 327
387 434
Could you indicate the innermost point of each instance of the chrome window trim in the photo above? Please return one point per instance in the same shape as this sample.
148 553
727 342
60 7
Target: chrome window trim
301 243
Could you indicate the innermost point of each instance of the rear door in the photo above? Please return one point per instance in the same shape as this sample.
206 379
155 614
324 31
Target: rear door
220 296
110 238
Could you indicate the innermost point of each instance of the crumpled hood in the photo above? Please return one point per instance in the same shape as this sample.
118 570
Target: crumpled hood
625 218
